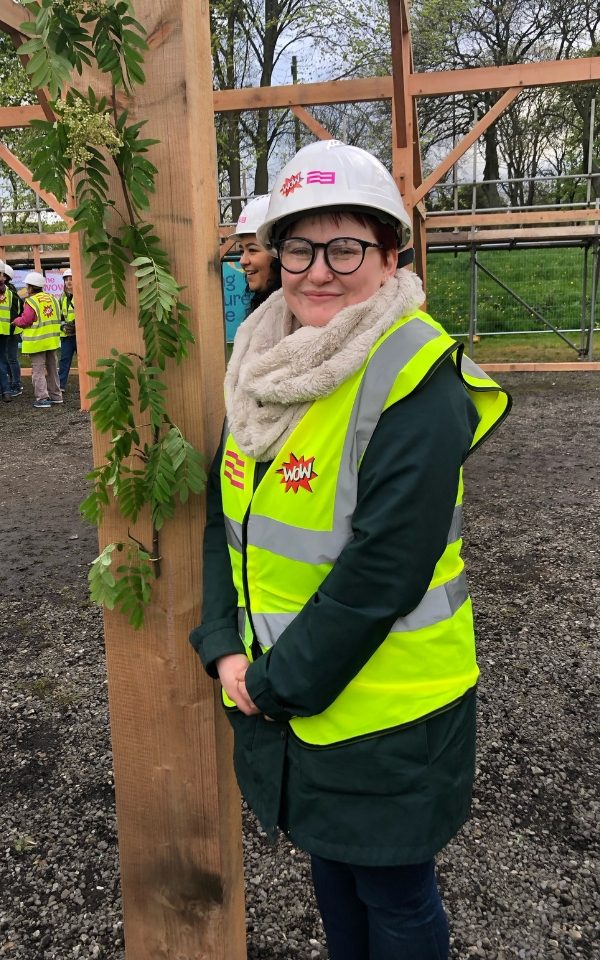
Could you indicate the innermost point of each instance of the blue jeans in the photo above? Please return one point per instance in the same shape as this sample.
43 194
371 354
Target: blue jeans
381 913
12 354
4 382
68 346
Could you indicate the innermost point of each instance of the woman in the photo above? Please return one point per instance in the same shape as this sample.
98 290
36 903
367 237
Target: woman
39 325
68 333
263 273
336 612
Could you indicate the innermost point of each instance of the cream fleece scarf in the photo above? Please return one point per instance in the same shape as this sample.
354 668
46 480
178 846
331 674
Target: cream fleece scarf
276 371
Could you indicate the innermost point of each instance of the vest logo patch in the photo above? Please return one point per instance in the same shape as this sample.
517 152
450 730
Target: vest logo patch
3 297
234 469
298 472
48 311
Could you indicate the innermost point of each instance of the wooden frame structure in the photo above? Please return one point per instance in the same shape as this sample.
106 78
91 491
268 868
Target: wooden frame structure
404 87
177 806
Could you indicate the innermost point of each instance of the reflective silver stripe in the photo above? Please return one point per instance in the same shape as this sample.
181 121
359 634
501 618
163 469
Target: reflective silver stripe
241 621
455 531
391 357
438 604
309 546
296 543
42 336
315 546
269 626
469 367
233 531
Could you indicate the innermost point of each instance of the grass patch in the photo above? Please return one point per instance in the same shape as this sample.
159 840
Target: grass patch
528 348
41 687
46 687
551 281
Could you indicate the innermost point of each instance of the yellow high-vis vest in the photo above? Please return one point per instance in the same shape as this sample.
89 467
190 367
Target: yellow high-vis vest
285 535
44 334
67 312
6 299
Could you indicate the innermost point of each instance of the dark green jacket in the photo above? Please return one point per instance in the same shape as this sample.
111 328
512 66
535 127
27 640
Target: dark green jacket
393 798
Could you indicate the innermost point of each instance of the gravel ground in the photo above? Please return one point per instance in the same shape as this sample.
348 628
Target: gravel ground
521 880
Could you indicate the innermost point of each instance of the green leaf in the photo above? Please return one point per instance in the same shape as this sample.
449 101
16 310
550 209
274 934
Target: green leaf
129 587
152 394
111 397
103 586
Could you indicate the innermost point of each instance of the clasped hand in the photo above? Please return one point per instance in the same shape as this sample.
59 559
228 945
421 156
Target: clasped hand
232 673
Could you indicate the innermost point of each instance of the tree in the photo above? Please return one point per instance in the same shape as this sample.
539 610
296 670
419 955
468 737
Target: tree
254 41
457 33
15 198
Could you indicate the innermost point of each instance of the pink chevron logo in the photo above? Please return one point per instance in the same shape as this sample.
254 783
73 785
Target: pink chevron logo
234 469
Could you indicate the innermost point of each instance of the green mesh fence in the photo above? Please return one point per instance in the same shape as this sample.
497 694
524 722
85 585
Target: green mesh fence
550 280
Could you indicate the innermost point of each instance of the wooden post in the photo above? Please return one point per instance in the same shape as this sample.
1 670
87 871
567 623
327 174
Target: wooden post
178 808
77 265
406 151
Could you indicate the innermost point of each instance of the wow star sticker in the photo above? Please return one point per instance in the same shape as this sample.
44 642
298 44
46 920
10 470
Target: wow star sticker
298 472
291 183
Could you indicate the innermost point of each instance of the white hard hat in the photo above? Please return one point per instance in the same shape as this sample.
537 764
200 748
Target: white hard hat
8 270
252 216
34 279
332 174
67 273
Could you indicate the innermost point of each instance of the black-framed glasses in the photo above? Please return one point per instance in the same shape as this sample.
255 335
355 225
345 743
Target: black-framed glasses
342 254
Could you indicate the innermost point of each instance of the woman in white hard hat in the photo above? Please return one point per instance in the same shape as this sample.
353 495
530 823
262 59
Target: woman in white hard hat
40 329
68 331
336 611
263 273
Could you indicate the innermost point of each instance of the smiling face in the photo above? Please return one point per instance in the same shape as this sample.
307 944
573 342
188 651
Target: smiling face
68 282
256 263
318 294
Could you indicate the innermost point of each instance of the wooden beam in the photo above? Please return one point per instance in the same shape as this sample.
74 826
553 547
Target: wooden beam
406 150
466 221
178 809
557 367
313 125
405 16
27 177
541 74
12 117
46 256
463 145
437 83
451 238
33 239
303 94
400 108
12 15
77 265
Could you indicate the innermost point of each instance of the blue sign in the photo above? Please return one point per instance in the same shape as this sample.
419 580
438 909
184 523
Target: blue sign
236 296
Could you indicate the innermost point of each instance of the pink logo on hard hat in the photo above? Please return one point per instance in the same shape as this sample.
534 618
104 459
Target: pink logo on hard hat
243 218
291 183
320 176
